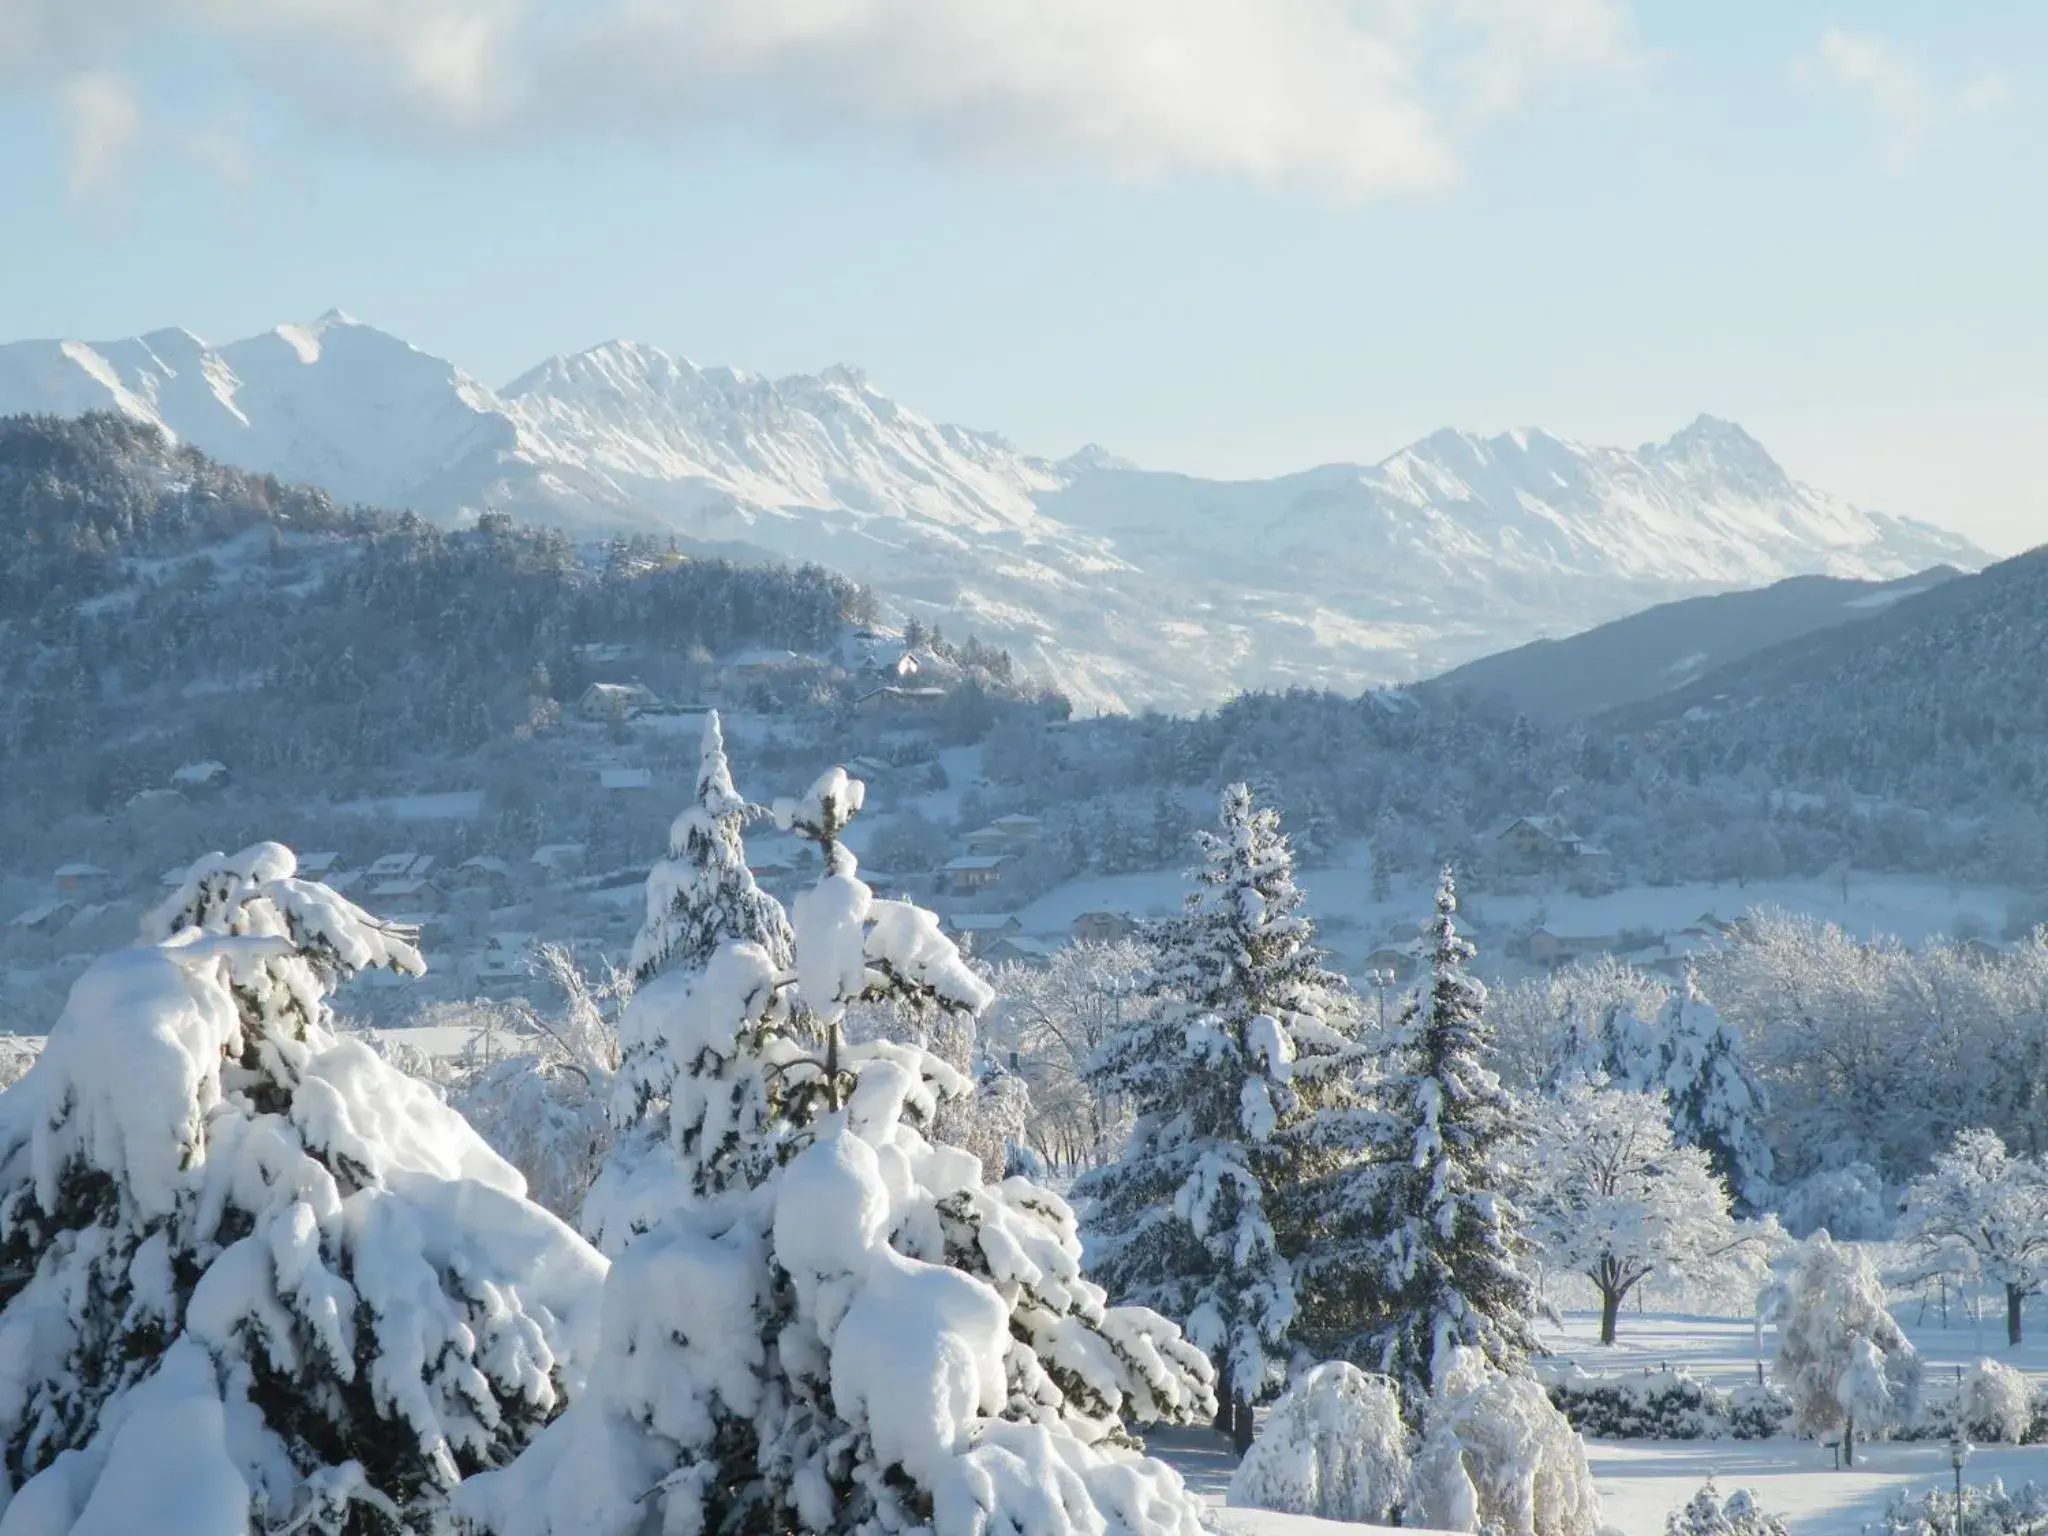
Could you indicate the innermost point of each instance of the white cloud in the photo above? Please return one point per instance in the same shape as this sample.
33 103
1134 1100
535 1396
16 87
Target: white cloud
1905 106
101 120
1361 97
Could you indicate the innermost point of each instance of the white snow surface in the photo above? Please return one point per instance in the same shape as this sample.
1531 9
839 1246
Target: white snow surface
1094 573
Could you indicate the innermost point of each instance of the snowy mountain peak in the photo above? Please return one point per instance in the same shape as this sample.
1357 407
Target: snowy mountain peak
1127 586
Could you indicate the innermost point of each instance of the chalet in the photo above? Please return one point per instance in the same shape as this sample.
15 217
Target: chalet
1014 949
891 699
973 872
483 873
81 882
1551 950
559 860
393 866
1535 844
47 918
318 866
1006 834
1103 927
1399 961
504 959
206 777
154 802
980 929
408 893
625 781
611 703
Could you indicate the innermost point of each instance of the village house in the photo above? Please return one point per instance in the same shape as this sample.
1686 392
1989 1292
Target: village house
896 701
492 876
155 802
1551 950
979 928
408 893
392 866
1006 834
613 703
46 918
81 882
1103 927
206 777
1014 949
1534 845
1398 960
505 960
320 865
972 873
559 861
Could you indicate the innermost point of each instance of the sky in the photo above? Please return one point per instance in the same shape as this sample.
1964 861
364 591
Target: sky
1230 237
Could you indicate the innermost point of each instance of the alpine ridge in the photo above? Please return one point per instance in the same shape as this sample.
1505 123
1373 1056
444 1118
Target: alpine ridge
1129 587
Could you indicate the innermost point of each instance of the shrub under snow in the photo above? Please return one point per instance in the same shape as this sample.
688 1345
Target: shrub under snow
1710 1514
246 1259
1334 1447
1995 1403
1496 1455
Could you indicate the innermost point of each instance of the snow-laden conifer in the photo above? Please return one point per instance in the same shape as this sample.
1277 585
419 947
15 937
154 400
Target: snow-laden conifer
255 1277
1424 1232
1219 1079
1717 1104
821 1318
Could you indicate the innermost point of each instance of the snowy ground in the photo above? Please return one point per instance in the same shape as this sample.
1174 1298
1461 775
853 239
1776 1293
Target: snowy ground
1908 907
1642 1481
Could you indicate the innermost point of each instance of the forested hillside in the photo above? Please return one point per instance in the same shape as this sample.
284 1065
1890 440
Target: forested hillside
157 607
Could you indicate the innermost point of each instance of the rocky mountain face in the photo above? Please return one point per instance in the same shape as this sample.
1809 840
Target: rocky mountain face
1129 587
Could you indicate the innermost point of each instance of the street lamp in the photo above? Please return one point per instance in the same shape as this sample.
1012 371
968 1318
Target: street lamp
1381 978
1958 1452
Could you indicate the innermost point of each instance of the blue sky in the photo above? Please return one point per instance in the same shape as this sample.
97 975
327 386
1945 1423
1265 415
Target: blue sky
1228 236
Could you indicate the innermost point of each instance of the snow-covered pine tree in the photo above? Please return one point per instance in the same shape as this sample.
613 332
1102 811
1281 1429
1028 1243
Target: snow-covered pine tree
1717 1104
856 1331
247 1259
710 952
1184 1220
1425 1229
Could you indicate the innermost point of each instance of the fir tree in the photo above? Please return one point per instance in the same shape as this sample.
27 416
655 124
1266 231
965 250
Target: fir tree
844 1326
1184 1220
1717 1104
1425 1230
227 1229
704 1107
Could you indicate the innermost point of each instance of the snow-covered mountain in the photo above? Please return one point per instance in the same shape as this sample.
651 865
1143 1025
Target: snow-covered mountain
1130 586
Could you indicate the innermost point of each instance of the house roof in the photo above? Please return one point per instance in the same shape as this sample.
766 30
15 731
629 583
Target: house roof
205 771
35 916
619 691
486 864
1016 821
318 863
407 886
974 861
549 853
78 871
983 922
393 863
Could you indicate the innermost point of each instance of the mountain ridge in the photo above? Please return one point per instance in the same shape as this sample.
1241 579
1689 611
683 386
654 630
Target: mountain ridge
1126 586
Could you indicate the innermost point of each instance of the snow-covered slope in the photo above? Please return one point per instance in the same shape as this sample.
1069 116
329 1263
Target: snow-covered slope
1130 586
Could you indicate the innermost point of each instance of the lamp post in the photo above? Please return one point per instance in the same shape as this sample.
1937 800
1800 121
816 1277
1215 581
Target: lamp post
1958 1453
1381 978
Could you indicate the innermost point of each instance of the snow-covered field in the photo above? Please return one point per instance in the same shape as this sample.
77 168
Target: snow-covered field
1641 1482
1910 908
